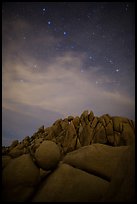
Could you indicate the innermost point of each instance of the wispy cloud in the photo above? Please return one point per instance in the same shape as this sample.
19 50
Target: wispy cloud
61 87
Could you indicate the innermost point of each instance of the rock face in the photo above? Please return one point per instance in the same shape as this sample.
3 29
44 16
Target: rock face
72 154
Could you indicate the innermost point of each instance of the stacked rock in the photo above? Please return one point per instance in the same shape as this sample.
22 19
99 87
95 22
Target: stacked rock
22 173
28 164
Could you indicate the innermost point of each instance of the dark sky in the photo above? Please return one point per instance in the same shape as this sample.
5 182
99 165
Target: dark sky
61 58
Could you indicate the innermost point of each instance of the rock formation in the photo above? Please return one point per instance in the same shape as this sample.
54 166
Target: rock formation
86 158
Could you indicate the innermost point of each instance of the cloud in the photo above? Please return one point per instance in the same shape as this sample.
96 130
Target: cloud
21 38
60 87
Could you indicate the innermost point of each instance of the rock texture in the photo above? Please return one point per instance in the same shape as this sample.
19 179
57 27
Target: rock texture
73 153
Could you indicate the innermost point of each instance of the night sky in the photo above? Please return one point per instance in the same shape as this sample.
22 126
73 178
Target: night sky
61 58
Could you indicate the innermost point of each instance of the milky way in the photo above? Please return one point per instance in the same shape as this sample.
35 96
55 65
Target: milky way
62 58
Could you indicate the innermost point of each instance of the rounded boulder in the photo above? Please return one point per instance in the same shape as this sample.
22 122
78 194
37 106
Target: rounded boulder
47 155
21 171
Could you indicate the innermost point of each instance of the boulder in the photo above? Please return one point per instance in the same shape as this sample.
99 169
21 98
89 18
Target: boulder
76 122
90 116
78 145
20 145
17 194
94 122
109 128
41 129
64 124
122 185
117 123
70 118
14 143
110 139
20 171
106 118
132 123
51 133
102 121
85 135
97 159
69 142
5 150
26 141
36 143
68 184
60 138
128 134
19 178
100 134
57 128
47 155
117 139
84 118
5 160
16 152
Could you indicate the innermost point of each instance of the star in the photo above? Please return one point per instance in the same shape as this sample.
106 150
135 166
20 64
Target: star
103 36
72 46
44 9
34 65
24 38
126 7
90 57
49 22
89 16
65 33
110 61
117 70
21 80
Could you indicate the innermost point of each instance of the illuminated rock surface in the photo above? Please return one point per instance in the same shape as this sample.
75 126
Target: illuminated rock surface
82 158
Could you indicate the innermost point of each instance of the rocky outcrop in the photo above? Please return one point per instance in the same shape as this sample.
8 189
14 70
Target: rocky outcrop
73 132
94 173
73 153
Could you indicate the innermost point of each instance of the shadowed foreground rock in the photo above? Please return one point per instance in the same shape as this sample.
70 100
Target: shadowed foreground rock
77 159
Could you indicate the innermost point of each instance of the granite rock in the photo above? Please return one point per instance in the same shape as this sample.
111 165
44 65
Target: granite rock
47 155
84 158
